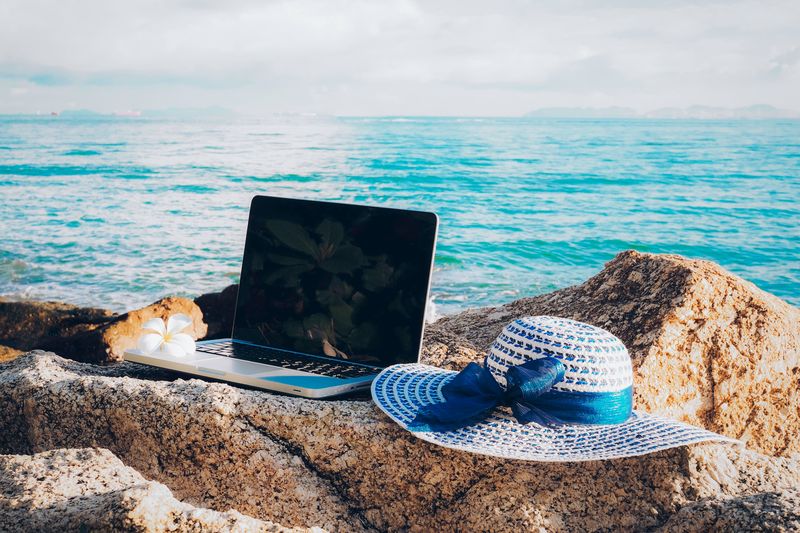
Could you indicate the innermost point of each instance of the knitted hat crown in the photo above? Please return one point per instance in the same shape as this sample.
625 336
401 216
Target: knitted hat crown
594 359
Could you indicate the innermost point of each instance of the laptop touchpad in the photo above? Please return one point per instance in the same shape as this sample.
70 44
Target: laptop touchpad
237 366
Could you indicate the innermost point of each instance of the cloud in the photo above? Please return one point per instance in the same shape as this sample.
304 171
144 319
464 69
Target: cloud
399 56
784 63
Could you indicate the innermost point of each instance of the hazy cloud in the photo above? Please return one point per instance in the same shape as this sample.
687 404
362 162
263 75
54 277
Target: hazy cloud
396 56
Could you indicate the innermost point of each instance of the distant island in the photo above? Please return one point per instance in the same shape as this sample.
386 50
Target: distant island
753 112
694 112
214 112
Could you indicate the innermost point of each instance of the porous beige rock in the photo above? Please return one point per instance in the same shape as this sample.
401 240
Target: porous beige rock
182 434
7 353
444 349
767 511
91 490
707 347
343 465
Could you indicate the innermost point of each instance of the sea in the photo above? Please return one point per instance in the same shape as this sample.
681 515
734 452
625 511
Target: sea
117 212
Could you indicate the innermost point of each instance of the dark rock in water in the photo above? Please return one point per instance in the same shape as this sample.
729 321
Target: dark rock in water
27 325
91 490
108 342
85 334
218 309
707 347
99 335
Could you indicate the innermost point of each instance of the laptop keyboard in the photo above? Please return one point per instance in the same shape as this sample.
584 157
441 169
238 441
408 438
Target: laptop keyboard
268 356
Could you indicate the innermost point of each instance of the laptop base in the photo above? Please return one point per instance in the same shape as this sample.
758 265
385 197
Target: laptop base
252 374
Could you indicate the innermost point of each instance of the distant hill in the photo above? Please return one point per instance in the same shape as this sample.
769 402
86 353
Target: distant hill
583 112
215 112
760 111
80 113
753 112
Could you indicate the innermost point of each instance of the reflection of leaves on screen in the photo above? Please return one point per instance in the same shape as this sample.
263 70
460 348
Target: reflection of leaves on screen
290 275
362 336
286 260
292 235
344 259
379 275
342 315
328 272
331 232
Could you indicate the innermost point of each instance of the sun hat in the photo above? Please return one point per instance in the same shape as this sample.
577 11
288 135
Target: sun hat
550 389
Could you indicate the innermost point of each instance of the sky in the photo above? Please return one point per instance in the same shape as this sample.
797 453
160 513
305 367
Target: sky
396 57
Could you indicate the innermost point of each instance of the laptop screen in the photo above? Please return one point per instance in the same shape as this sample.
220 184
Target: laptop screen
335 280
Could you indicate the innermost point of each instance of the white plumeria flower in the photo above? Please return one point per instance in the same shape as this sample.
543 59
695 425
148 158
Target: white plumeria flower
167 339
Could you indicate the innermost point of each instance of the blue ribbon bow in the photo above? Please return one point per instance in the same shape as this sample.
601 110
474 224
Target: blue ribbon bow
473 394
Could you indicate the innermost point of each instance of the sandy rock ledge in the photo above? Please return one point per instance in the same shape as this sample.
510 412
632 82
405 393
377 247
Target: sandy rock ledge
343 465
91 490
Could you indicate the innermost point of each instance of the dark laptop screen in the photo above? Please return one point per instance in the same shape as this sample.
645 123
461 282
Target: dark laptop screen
337 280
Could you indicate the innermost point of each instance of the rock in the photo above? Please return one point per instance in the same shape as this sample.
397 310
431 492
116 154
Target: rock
184 437
343 465
84 334
707 347
91 490
768 511
109 341
218 309
447 350
7 353
29 324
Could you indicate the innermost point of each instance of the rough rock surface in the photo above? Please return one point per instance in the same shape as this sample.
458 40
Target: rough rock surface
768 511
7 353
218 309
343 465
708 347
86 334
91 490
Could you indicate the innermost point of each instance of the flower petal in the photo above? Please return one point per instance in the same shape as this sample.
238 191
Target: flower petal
178 323
185 341
156 324
172 349
150 342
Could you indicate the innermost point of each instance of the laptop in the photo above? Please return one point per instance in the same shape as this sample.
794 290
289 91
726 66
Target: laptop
329 295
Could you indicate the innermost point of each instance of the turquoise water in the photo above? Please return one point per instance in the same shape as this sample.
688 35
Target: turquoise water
119 212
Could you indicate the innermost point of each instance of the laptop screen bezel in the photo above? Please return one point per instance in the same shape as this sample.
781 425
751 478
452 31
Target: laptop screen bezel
259 202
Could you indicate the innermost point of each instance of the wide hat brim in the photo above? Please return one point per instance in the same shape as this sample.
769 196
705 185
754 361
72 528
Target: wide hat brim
402 390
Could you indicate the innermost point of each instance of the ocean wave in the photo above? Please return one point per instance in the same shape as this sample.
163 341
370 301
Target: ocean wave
525 206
